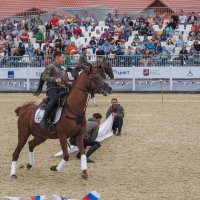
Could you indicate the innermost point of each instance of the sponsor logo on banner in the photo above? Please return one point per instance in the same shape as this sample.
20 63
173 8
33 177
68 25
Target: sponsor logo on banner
146 72
151 72
154 72
190 74
186 72
38 74
123 72
11 74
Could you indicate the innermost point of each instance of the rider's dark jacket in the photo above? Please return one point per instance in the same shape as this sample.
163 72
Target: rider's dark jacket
83 61
51 73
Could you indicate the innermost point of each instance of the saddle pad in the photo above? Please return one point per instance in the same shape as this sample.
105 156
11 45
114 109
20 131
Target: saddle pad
40 113
70 76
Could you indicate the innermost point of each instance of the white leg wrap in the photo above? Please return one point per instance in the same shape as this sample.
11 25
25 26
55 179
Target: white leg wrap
31 159
13 168
61 165
94 100
83 162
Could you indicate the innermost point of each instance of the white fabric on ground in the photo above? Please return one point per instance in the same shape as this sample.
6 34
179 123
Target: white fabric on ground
105 131
12 198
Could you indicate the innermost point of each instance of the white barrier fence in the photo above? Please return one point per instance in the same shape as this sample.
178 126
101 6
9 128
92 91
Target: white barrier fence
128 73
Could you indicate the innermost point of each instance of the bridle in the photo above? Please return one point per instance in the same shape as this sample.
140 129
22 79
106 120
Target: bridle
96 80
99 85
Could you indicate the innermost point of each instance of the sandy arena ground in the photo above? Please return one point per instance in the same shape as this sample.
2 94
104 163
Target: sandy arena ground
157 157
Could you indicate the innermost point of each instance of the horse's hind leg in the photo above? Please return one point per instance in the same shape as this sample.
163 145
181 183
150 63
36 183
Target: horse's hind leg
32 144
79 144
23 136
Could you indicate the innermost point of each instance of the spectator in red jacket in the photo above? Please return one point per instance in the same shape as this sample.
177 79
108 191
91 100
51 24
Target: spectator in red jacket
54 21
196 27
105 34
77 31
24 37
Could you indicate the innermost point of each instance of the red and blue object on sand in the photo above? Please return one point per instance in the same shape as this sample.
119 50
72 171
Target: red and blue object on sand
38 197
94 195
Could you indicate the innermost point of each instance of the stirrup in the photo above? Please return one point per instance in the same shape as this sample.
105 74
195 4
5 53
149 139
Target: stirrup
52 128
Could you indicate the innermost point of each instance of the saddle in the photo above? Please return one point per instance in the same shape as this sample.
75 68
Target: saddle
55 113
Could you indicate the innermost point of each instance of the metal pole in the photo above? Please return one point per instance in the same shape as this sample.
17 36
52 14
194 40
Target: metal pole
170 78
28 79
133 78
161 89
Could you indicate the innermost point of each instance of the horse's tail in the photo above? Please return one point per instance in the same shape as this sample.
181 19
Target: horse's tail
40 86
20 108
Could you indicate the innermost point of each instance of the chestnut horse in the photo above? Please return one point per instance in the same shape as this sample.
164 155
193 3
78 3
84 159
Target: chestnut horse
72 122
105 68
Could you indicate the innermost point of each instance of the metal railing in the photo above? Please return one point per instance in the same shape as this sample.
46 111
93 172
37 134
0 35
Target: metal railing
115 61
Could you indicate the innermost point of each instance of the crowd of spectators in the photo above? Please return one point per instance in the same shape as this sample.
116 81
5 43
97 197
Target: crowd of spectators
146 41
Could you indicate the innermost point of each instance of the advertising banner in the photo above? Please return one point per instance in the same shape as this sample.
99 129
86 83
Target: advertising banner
21 73
185 72
126 78
151 72
13 73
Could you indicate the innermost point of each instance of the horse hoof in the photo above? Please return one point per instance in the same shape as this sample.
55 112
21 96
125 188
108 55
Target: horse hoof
28 166
84 175
13 176
53 168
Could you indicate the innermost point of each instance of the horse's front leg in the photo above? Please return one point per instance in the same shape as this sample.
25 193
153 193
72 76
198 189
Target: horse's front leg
63 162
79 144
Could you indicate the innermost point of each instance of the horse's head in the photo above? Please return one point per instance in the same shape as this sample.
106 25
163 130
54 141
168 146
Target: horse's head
96 83
105 68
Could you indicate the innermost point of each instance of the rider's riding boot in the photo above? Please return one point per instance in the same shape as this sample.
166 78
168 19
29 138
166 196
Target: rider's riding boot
90 152
90 161
43 123
45 117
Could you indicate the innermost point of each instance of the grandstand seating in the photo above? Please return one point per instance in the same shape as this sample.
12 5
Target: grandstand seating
90 31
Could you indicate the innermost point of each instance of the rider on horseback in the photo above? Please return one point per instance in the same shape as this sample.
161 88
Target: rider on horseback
83 61
54 76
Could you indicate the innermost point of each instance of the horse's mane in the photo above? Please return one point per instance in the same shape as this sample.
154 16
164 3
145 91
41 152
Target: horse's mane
26 105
